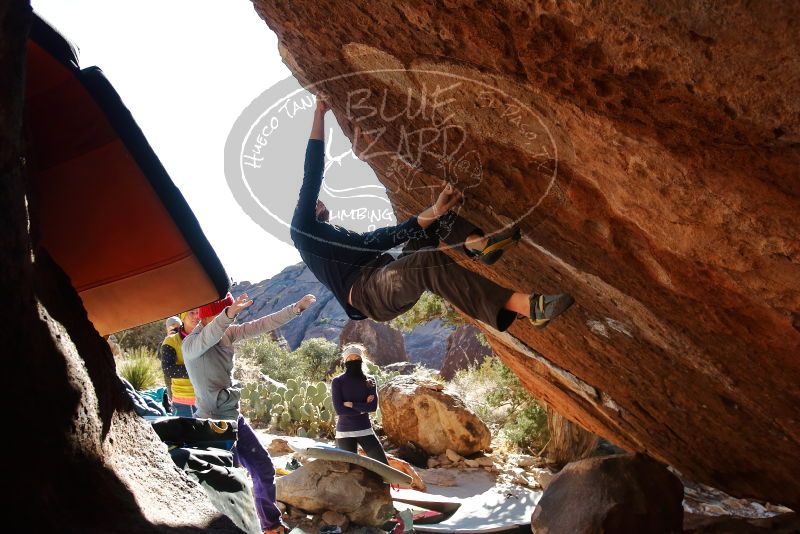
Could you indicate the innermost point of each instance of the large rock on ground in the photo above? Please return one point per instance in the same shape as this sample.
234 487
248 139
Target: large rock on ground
650 154
463 350
611 494
384 343
321 485
568 441
786 523
430 415
401 465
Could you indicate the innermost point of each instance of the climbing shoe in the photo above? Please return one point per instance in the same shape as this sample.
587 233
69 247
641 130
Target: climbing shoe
545 308
497 246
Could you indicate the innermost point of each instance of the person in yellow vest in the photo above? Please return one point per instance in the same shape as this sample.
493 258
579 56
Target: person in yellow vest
181 391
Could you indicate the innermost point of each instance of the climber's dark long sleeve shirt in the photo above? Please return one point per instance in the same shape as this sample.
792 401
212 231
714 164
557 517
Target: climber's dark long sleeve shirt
334 254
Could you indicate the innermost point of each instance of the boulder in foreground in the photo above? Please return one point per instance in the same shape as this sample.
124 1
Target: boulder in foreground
611 494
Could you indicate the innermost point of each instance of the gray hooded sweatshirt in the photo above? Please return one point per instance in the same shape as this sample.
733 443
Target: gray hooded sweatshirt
208 356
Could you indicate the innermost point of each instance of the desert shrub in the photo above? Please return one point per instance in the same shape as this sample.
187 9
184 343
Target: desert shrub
149 335
427 308
477 387
273 360
142 368
315 356
499 399
310 361
528 429
426 373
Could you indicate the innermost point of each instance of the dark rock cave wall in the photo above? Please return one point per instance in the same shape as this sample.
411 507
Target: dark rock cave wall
80 460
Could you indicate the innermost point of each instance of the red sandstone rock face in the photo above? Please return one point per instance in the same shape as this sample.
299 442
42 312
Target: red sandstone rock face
658 147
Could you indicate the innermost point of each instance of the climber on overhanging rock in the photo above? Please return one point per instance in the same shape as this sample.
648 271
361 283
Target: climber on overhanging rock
368 282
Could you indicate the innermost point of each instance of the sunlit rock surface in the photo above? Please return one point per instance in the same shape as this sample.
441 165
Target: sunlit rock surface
650 154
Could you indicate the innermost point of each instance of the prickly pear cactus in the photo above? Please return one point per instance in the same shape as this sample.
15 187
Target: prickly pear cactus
299 408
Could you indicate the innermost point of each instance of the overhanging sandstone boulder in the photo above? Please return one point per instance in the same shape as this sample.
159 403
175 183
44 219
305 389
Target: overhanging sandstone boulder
651 155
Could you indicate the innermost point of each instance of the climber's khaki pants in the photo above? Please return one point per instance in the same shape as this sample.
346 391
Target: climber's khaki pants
385 291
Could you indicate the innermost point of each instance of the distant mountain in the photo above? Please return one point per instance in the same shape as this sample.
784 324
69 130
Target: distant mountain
325 319
426 344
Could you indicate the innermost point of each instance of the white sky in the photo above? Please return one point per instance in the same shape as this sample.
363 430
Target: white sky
186 70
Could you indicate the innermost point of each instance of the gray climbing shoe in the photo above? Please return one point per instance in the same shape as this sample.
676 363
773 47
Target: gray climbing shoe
497 246
545 308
